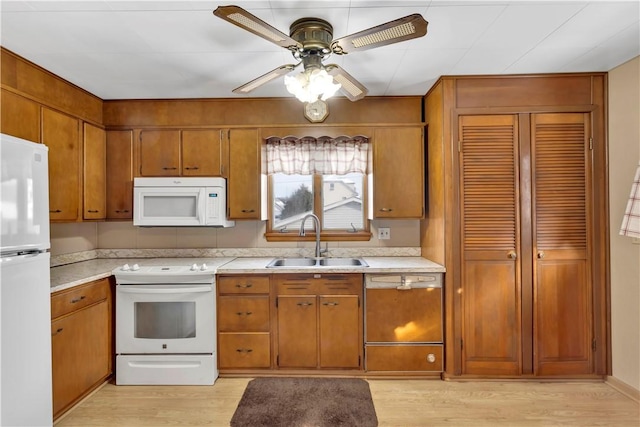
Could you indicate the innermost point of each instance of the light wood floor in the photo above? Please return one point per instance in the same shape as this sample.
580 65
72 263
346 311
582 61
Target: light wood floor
397 402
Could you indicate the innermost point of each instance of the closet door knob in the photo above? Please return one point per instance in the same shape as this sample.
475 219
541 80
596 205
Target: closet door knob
540 254
512 255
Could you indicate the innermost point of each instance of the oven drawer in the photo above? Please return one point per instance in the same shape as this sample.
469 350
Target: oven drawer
244 350
73 299
404 358
243 313
243 284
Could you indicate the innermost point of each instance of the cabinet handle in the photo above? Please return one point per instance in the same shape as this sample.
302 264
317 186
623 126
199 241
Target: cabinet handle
93 211
512 255
386 209
57 332
244 350
540 254
305 304
248 210
245 286
246 313
169 169
330 303
122 211
56 211
192 168
431 358
73 301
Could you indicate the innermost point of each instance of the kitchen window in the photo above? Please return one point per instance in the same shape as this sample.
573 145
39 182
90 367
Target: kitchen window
325 176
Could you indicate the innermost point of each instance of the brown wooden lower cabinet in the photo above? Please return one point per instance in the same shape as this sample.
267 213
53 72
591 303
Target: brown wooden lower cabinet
319 321
244 322
81 340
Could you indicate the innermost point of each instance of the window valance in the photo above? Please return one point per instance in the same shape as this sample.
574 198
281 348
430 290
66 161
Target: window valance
324 155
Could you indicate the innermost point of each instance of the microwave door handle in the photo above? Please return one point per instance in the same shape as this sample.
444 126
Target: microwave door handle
202 207
173 290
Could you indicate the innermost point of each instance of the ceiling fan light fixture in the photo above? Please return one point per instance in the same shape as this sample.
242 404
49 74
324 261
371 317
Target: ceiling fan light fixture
311 84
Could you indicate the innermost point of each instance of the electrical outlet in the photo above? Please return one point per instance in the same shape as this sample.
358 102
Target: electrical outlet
384 233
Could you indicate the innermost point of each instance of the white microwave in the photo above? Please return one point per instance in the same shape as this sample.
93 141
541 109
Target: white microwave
180 202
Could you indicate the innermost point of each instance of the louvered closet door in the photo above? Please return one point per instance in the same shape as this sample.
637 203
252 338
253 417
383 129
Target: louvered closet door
562 283
491 337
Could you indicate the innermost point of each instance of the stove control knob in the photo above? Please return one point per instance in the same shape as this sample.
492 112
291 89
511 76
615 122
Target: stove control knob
135 267
204 267
126 267
194 267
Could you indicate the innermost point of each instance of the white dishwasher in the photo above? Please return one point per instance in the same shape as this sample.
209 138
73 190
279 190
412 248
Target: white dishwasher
403 323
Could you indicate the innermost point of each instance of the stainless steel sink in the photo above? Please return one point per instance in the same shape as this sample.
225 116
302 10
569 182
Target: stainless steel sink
317 263
348 262
292 262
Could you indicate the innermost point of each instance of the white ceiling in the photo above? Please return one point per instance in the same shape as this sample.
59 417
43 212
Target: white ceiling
179 49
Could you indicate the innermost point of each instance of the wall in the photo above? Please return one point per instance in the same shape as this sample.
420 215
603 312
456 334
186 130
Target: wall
624 154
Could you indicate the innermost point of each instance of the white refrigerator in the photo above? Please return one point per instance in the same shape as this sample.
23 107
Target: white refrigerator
25 289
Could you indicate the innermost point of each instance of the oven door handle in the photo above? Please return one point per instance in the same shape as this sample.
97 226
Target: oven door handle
173 290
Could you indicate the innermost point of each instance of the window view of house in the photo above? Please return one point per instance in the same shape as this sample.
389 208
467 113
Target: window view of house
342 201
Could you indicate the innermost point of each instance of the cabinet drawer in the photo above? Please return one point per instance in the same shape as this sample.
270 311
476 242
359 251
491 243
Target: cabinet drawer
244 350
66 301
243 285
404 358
319 284
243 313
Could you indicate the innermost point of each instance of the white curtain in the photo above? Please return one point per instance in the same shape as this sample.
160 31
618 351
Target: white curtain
631 220
324 155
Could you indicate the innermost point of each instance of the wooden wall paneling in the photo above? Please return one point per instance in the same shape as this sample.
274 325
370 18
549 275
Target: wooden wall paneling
28 79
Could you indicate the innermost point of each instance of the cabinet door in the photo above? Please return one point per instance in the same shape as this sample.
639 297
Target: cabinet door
340 340
201 152
61 133
160 153
244 174
489 199
562 283
297 332
80 354
20 116
94 181
398 173
119 174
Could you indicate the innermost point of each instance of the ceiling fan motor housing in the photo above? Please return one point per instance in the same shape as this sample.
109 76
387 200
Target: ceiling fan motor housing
315 36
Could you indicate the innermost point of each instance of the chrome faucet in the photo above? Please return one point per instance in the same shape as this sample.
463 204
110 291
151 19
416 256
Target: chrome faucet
316 222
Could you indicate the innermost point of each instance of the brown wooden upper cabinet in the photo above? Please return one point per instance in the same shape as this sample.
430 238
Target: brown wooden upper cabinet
94 182
61 133
20 116
398 173
245 175
174 152
119 174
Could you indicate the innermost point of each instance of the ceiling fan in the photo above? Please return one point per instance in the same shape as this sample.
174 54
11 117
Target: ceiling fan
310 41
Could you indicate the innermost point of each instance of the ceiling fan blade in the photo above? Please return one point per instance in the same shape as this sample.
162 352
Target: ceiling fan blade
243 19
350 87
265 78
407 28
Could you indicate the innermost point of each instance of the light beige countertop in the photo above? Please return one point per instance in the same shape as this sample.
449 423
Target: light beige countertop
70 275
376 265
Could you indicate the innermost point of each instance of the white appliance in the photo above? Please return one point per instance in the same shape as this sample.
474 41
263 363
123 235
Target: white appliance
165 325
25 288
180 202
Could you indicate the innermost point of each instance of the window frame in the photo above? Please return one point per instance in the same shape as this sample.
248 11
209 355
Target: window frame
364 234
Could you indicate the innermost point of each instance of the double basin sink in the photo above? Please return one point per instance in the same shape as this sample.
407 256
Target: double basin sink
317 262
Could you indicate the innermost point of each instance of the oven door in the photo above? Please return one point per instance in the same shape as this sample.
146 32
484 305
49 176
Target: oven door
165 319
